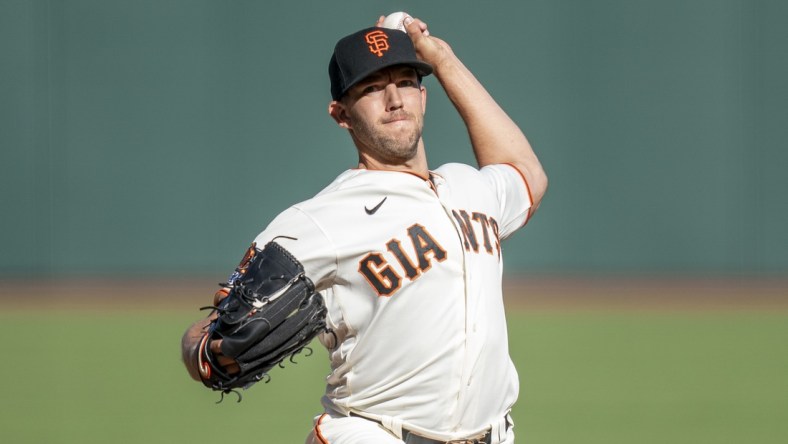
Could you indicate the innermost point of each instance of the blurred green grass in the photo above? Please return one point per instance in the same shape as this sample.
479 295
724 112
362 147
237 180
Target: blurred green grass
652 377
586 377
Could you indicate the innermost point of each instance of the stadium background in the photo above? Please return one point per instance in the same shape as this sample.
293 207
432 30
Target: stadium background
144 144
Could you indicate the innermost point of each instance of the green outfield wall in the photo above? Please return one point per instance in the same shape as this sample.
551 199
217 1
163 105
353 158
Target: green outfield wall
161 136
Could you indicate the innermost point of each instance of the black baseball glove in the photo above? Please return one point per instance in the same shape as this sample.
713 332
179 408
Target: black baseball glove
270 313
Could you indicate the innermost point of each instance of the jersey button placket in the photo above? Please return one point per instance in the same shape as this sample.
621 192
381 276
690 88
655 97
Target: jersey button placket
441 195
465 376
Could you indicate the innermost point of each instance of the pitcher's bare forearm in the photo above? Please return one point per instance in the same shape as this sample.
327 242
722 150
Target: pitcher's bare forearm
494 136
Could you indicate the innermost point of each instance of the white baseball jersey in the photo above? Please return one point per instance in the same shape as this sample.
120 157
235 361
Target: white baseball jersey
410 270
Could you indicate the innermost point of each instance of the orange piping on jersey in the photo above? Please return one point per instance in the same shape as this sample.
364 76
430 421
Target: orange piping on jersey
319 435
528 189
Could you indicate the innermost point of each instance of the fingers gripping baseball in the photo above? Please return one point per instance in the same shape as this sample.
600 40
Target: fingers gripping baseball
429 48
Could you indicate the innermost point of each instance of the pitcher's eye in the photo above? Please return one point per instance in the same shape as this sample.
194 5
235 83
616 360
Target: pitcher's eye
372 88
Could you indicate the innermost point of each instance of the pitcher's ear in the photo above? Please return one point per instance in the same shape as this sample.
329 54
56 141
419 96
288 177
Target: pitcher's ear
338 112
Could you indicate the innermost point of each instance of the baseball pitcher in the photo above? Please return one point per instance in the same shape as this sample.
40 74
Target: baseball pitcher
395 267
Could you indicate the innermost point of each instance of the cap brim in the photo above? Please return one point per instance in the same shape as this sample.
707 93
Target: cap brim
422 68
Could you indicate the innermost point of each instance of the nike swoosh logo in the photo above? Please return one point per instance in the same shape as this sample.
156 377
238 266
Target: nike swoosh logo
375 208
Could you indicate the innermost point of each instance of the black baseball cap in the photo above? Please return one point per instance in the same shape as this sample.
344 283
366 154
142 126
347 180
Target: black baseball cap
364 52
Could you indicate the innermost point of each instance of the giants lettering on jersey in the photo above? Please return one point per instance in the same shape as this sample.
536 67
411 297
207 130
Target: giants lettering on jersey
486 224
385 276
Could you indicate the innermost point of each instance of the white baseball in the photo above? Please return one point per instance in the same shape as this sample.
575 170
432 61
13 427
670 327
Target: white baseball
396 20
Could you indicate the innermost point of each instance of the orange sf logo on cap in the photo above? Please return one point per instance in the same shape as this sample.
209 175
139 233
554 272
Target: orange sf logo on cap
378 42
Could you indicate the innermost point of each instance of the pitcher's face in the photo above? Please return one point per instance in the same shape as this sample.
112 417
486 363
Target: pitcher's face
385 113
